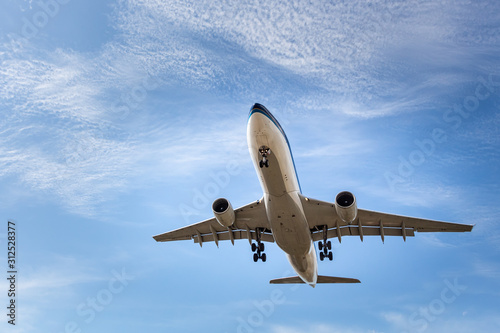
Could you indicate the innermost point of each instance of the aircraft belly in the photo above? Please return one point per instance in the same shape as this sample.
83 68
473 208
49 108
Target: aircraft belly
273 177
290 229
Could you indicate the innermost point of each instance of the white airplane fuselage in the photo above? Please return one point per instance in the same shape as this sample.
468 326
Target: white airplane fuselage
281 189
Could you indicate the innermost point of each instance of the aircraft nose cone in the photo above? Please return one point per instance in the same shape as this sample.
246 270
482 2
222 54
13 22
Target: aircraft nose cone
259 108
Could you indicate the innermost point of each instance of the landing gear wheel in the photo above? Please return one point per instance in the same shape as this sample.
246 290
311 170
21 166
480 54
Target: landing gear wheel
325 246
258 247
264 151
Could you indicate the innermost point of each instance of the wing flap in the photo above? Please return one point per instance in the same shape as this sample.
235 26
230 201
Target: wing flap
238 234
353 230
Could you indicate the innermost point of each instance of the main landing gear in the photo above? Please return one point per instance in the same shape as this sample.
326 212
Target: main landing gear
264 152
258 249
325 246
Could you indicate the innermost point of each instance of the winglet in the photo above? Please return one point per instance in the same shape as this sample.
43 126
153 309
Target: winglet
321 279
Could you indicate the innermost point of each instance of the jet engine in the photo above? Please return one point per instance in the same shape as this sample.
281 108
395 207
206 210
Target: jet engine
223 211
345 205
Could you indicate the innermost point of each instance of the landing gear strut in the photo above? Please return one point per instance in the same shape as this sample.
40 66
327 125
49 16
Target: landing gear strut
325 246
258 248
264 151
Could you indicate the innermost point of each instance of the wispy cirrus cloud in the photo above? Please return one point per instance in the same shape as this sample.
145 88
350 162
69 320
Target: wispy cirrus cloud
68 115
351 52
462 322
320 328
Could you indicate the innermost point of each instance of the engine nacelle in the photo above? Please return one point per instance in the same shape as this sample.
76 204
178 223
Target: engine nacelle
345 205
223 211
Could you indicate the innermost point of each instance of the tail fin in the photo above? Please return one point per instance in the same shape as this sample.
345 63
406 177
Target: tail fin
321 279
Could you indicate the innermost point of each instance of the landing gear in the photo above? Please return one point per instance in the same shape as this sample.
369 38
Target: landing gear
325 246
264 151
326 250
259 252
258 248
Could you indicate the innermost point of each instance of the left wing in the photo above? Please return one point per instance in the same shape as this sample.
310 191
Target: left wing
250 223
322 214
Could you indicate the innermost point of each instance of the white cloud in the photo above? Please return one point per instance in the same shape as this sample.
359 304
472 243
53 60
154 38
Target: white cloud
358 54
47 287
485 322
319 328
434 240
350 58
489 270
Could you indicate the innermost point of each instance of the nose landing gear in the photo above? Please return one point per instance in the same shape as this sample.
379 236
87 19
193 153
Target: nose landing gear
264 151
325 246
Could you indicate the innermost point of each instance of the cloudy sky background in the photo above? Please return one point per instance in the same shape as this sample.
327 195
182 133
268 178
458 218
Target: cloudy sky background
118 115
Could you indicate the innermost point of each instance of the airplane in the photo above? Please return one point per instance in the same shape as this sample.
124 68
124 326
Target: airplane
294 221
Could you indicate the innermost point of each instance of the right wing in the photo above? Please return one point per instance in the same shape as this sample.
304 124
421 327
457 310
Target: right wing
251 221
321 214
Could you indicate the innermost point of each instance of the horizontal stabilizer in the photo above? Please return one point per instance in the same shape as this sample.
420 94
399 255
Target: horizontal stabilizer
321 279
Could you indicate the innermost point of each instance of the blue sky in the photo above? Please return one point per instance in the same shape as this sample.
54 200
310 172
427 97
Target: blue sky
117 115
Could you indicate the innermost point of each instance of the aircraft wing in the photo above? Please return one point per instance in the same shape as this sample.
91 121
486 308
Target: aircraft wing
250 220
322 214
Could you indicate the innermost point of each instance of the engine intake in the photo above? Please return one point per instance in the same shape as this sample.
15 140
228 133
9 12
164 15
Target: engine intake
223 212
345 205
